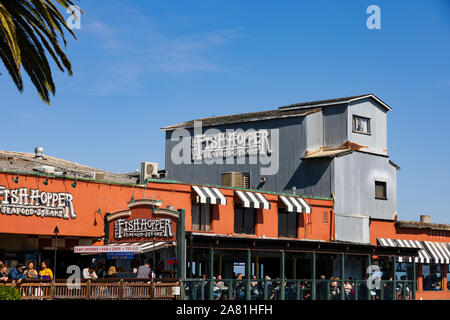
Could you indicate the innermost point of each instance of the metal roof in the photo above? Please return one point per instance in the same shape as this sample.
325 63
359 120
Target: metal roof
293 110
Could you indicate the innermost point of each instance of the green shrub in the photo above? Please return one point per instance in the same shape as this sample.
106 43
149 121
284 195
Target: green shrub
9 293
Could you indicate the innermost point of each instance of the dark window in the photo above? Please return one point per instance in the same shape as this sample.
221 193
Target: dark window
380 190
201 217
287 223
361 125
244 220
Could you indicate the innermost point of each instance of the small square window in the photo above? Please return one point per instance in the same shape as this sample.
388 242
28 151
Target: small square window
380 190
361 125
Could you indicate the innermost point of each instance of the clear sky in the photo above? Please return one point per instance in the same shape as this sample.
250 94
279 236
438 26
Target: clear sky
140 65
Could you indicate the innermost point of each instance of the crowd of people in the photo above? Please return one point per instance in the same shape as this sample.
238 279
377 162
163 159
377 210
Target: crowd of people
331 288
23 272
98 271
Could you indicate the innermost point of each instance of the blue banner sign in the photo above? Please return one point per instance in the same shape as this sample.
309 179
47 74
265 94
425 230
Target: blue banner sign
120 255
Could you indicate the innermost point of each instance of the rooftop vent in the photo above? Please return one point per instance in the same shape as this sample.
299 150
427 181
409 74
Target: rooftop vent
425 218
38 152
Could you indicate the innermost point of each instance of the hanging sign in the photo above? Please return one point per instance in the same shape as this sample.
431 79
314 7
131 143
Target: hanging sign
29 202
143 228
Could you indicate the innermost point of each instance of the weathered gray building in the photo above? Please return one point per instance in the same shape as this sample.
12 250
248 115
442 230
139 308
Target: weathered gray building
334 147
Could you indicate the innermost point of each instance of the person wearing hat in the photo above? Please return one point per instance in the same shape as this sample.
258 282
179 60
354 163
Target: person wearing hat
17 273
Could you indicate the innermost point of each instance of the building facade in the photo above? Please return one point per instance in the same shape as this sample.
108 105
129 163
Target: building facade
330 148
189 230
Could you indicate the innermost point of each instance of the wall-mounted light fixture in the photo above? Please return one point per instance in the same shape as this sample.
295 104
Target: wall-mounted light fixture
16 179
74 184
45 182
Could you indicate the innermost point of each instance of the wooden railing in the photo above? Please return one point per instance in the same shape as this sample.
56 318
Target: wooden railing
110 289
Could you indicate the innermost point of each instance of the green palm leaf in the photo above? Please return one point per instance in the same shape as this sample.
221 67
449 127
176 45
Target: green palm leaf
30 30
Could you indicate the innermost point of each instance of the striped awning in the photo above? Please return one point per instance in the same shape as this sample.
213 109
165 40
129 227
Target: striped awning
253 200
295 204
210 195
431 252
439 251
116 247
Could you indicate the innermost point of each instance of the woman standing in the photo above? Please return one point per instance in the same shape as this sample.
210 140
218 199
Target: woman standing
45 273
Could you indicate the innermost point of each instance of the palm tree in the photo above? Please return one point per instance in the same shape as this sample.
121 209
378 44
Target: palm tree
29 31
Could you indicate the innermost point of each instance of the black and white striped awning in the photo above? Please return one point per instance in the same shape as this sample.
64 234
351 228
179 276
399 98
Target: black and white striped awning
253 200
439 251
431 252
295 204
210 195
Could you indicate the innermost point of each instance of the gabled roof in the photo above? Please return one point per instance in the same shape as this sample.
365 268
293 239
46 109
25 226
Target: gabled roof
293 110
321 103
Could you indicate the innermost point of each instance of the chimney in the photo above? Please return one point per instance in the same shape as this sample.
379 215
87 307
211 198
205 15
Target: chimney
425 218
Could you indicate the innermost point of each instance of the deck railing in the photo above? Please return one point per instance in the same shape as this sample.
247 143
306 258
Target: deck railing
110 289
257 289
207 289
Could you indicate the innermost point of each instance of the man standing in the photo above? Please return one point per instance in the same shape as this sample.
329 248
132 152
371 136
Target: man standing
144 271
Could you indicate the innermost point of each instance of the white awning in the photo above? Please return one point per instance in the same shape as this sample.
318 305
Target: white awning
210 195
295 204
134 247
253 200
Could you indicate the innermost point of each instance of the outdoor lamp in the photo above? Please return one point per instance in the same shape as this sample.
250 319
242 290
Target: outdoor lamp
16 179
74 184
45 182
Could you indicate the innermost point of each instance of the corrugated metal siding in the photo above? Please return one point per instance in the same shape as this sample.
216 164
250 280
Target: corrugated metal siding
335 125
311 178
355 176
377 140
353 229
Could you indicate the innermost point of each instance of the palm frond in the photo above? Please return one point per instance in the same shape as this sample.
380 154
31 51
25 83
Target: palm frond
29 31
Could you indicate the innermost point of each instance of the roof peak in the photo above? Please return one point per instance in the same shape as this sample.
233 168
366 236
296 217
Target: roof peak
318 103
298 109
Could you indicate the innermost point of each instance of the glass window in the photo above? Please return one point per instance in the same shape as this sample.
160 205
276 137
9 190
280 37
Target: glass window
361 124
431 275
380 190
201 217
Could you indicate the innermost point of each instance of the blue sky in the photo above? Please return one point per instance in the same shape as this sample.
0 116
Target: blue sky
140 65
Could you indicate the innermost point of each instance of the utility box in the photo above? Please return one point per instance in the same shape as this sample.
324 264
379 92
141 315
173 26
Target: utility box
232 179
